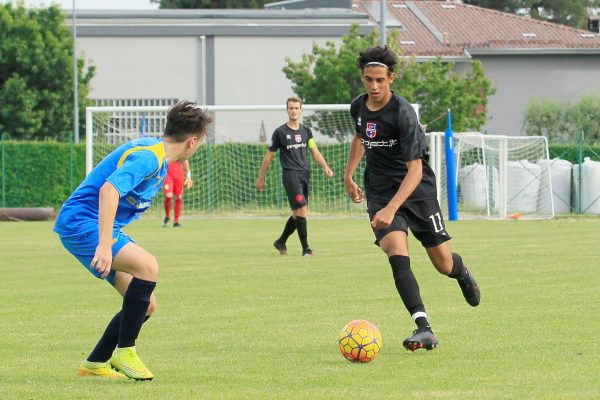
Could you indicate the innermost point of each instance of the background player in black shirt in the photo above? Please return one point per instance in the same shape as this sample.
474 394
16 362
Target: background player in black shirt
292 139
400 188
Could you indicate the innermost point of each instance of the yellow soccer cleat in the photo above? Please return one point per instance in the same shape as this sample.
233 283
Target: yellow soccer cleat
102 370
126 361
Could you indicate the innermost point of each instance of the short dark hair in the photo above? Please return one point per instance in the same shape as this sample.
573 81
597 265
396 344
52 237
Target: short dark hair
293 99
186 119
377 55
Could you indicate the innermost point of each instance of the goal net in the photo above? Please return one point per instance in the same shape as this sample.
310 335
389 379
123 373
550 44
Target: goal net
225 168
497 176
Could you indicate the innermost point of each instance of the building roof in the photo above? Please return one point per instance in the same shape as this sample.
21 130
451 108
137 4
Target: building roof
218 14
291 4
428 28
451 29
219 22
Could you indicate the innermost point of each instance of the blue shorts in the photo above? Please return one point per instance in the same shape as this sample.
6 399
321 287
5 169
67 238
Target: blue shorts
83 247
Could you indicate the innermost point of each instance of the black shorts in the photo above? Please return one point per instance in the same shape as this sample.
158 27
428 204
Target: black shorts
295 184
423 217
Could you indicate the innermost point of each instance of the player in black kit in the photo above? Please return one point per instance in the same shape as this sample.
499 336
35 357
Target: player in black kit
292 139
400 188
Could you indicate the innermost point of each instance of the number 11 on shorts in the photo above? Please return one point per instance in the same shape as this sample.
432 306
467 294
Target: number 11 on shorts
436 220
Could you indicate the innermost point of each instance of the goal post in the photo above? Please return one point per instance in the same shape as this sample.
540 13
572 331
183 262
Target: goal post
224 170
497 176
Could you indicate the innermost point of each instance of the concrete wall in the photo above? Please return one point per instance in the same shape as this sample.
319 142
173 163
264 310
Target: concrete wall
518 79
248 70
237 70
143 67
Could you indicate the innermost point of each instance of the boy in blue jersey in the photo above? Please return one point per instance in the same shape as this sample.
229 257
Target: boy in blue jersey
115 193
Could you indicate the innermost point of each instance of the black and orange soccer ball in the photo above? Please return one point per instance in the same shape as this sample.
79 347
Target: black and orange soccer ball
360 341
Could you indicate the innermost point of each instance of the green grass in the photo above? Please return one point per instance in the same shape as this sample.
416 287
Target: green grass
237 321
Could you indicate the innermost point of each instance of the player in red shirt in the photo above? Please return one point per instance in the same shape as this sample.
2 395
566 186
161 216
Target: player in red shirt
173 185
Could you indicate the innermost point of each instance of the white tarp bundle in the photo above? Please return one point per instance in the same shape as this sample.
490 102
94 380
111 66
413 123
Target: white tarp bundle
560 173
590 186
524 187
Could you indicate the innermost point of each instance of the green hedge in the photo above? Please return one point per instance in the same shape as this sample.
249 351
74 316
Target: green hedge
571 152
38 174
226 174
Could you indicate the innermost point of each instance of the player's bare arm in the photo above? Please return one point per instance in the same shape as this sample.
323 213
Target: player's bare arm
383 218
321 161
108 203
188 182
356 153
264 167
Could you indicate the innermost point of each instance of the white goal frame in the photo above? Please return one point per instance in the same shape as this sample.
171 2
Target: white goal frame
119 124
90 111
498 186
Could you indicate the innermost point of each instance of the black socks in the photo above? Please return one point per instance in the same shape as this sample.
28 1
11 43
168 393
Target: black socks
302 231
408 288
290 227
458 268
107 343
135 305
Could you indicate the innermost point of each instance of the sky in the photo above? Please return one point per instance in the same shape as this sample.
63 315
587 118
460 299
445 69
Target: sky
93 4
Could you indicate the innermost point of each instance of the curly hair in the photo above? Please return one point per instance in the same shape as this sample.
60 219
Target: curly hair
377 55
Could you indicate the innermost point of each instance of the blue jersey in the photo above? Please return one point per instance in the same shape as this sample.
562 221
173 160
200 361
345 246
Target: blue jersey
136 169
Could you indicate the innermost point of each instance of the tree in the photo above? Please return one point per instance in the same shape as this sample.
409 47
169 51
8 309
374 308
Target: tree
585 117
501 5
211 3
563 122
572 12
545 117
330 76
36 73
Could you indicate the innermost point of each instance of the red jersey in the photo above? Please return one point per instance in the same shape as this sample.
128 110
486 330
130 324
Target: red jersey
175 170
174 180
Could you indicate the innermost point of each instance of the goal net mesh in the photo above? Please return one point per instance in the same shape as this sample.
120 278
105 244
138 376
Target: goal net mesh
497 176
225 168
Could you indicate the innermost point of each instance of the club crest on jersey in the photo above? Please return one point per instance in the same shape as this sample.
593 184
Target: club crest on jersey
371 130
298 138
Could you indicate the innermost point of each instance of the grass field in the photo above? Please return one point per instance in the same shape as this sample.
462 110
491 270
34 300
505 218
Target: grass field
237 321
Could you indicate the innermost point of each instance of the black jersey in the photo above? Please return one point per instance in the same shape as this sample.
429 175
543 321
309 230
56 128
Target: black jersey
292 146
391 136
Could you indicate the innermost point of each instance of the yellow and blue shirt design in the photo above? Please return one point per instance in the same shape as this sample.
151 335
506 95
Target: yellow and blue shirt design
136 169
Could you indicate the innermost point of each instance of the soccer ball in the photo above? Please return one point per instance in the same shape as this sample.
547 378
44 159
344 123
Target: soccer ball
360 341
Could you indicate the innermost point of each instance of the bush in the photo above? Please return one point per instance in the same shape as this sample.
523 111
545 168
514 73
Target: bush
563 122
37 174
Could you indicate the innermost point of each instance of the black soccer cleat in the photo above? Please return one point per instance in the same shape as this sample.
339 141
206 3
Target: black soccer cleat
176 225
307 252
424 339
280 247
165 222
469 288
